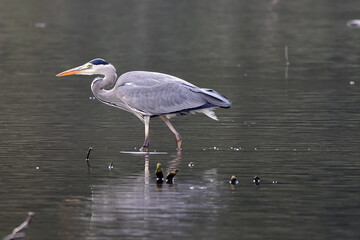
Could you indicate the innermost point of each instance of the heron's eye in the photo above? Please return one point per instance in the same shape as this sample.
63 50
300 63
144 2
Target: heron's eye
89 66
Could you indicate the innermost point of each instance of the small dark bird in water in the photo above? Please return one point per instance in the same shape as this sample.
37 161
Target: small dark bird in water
233 180
170 176
256 180
159 173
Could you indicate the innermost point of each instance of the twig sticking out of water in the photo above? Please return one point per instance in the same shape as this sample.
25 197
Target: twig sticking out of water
286 56
16 232
15 236
88 157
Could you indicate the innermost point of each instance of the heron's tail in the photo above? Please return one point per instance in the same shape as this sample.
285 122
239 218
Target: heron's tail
215 98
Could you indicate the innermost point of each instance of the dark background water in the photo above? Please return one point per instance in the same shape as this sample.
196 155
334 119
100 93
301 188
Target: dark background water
297 124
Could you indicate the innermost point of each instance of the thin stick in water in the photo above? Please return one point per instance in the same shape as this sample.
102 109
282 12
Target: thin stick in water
15 233
88 157
287 56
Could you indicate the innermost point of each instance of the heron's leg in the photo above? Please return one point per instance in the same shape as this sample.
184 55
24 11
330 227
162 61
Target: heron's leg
177 135
147 127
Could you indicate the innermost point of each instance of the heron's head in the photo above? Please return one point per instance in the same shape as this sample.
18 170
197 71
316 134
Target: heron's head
96 66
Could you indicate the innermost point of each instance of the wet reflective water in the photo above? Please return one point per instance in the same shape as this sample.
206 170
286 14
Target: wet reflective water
296 125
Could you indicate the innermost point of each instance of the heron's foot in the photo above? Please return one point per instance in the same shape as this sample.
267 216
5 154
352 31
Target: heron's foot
144 149
178 142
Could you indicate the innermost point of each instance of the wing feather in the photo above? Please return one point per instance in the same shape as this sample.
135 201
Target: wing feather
161 98
152 93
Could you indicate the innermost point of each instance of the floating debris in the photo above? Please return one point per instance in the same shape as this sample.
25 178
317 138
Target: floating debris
144 153
355 23
159 173
256 180
111 166
40 25
352 83
274 182
233 180
235 148
16 232
88 157
37 168
191 165
170 176
92 98
197 187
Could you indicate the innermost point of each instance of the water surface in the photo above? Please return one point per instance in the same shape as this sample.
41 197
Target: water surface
297 125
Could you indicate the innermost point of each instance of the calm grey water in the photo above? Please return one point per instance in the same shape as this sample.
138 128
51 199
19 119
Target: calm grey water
297 125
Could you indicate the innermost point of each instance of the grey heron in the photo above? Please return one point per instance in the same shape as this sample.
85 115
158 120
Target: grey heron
149 94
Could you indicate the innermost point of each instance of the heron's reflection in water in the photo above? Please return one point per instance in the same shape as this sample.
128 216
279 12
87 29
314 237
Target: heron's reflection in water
136 206
136 203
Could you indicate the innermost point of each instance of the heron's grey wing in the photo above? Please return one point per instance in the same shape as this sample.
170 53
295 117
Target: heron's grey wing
213 97
160 98
143 78
152 93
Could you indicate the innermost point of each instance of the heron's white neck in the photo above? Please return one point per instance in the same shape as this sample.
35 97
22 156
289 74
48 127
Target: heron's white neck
100 86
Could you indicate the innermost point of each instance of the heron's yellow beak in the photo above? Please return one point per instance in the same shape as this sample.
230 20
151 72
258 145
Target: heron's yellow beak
72 71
